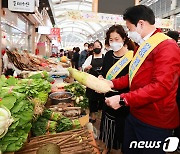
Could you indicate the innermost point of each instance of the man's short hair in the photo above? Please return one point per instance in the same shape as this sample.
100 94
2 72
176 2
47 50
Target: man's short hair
90 45
86 43
139 12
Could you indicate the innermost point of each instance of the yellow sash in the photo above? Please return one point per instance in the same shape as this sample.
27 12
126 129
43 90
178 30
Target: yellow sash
143 51
119 65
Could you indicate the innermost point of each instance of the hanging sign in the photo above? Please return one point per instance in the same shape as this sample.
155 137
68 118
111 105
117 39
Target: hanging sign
55 31
55 34
111 18
21 5
164 23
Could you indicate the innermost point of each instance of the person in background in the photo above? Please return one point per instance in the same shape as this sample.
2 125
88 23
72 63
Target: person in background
175 35
83 55
53 55
107 46
70 54
72 62
153 80
58 55
61 52
93 65
90 49
66 53
113 121
76 57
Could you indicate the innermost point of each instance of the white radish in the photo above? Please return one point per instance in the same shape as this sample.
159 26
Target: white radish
90 81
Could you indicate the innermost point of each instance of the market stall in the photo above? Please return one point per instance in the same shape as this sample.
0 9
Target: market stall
32 120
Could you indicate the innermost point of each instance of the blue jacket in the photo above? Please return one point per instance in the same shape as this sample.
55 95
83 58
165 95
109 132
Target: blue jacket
82 57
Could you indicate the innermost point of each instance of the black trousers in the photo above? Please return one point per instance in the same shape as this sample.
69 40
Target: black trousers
96 100
136 130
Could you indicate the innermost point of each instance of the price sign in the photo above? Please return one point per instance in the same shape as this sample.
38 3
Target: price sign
21 5
55 31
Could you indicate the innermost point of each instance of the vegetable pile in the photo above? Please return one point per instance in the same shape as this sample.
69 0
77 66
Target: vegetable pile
53 122
79 93
16 98
44 75
5 120
22 112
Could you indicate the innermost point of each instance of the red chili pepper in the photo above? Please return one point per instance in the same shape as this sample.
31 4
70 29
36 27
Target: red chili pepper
52 82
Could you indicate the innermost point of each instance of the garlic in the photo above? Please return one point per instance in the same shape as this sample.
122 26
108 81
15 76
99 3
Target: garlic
77 100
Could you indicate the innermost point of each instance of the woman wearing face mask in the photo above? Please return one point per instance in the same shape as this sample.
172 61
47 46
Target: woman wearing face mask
116 63
93 65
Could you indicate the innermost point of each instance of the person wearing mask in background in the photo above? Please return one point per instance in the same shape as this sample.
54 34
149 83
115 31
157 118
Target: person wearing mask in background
83 55
113 121
153 80
175 35
76 57
93 65
61 52
90 49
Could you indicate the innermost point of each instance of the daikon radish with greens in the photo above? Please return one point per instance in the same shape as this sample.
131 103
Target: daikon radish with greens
90 81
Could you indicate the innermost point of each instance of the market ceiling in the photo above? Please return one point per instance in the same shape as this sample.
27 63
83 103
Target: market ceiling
74 33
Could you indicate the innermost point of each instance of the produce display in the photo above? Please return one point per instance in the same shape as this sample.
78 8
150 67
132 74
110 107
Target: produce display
55 116
58 87
64 59
49 148
43 126
67 110
53 122
22 113
65 124
79 93
61 96
22 109
90 81
29 62
18 96
79 141
5 120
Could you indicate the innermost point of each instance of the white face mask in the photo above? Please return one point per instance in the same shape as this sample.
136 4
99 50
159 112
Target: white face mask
135 36
116 46
85 48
